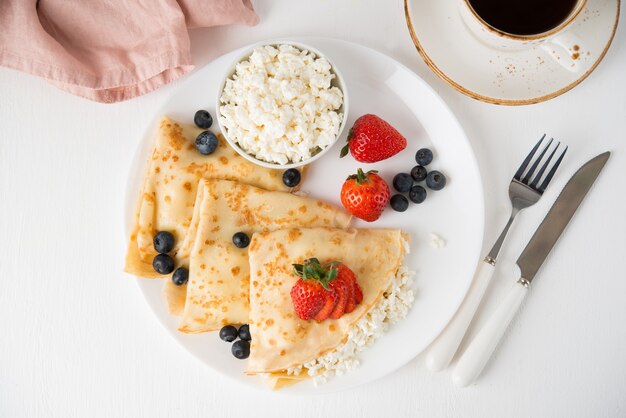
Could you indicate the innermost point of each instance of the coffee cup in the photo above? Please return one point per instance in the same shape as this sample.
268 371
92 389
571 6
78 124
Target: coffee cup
514 26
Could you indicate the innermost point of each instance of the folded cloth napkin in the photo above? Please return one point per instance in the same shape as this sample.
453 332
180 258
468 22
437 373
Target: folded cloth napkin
109 50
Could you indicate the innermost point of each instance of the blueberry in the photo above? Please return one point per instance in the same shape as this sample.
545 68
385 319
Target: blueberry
241 240
399 203
241 349
417 194
402 182
163 242
244 332
435 180
291 177
206 142
203 119
180 276
228 333
163 264
424 156
418 173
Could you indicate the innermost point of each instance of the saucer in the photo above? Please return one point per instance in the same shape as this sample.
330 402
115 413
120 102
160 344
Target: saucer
506 77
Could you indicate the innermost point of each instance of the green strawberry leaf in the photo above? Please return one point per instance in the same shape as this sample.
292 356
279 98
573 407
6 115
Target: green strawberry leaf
312 269
298 269
361 177
332 275
344 151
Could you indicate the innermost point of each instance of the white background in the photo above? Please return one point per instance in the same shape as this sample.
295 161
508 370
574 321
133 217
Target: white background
77 339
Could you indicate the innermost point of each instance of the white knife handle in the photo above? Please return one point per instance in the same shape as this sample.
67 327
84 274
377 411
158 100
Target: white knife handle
442 350
475 358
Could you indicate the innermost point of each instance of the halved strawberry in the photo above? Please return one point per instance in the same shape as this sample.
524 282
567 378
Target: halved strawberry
340 286
329 305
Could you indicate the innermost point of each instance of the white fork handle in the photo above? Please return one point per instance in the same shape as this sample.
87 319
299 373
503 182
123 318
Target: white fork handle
475 358
442 350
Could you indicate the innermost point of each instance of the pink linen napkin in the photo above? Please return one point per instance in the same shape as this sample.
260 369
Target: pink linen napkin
109 50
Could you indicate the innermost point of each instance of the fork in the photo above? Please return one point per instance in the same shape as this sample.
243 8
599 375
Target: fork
524 191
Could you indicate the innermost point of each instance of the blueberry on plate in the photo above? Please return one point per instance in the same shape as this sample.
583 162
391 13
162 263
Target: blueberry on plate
203 119
206 142
180 276
418 173
241 240
244 332
435 180
163 242
402 182
291 177
424 156
228 333
241 349
417 194
163 264
399 203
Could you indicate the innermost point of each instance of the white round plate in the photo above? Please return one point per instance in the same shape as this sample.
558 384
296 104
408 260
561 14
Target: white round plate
503 77
377 84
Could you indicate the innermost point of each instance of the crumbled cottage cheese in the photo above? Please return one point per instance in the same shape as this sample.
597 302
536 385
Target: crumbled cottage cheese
279 105
392 307
436 241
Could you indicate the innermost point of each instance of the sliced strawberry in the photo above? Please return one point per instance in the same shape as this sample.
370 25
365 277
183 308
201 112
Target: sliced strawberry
358 293
329 305
351 302
324 291
341 288
348 275
310 294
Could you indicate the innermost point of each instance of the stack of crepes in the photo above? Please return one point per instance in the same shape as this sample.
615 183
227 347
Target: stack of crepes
203 200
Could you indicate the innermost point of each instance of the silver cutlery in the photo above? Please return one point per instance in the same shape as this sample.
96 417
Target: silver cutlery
474 359
525 189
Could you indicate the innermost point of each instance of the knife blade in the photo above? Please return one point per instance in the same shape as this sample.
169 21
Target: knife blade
561 212
475 357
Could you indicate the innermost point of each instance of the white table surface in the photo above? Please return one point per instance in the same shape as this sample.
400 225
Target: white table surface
78 340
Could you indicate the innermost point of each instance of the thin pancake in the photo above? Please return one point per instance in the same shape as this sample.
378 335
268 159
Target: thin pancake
219 279
280 339
169 191
277 381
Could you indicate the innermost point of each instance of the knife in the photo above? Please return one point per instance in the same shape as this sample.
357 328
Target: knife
475 358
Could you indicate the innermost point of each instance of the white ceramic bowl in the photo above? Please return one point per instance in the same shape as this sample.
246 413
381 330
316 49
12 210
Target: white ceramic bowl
338 82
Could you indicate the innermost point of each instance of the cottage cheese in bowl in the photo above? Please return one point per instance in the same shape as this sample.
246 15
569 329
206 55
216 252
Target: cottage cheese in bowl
282 106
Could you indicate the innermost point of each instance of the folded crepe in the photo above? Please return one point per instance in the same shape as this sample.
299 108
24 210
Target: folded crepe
217 292
169 190
280 339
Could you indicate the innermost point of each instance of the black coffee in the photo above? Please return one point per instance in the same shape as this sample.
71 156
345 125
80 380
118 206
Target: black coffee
523 17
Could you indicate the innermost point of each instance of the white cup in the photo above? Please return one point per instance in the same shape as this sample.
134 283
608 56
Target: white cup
560 42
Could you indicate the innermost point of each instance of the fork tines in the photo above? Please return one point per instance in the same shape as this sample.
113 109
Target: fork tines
531 181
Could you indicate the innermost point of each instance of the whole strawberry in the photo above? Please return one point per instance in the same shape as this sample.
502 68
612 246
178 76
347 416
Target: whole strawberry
372 139
365 195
